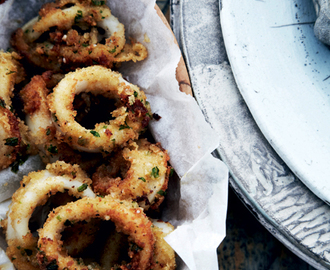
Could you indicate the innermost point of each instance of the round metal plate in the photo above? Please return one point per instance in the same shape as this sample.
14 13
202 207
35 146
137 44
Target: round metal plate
280 201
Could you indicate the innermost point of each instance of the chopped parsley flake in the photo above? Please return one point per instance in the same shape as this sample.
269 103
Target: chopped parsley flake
20 159
82 187
55 117
78 16
52 149
98 3
12 141
161 192
59 218
155 172
143 179
113 50
95 133
124 126
2 103
48 131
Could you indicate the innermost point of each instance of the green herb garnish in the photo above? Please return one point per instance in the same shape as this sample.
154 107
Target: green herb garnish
10 72
52 149
2 103
82 187
155 172
12 141
124 126
161 193
95 133
78 16
98 3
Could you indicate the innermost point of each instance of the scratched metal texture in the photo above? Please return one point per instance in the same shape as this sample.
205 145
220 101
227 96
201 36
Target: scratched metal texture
276 197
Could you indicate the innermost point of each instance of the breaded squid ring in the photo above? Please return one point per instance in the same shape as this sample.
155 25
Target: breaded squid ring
66 48
131 116
35 189
41 129
146 179
129 220
10 137
164 255
11 73
38 117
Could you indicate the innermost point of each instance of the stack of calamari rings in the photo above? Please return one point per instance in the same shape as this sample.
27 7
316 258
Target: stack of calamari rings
89 208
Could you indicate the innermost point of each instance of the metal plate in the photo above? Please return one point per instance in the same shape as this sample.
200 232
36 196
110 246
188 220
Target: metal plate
280 201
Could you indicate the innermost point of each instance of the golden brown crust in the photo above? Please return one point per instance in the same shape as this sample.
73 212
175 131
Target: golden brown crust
139 172
10 137
130 118
86 34
35 189
164 255
11 73
129 220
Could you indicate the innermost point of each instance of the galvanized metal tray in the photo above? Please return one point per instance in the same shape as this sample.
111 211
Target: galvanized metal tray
278 199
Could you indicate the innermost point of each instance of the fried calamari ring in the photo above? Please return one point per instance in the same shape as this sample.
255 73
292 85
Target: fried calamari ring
132 52
10 137
41 129
35 189
131 116
130 221
38 117
164 255
86 33
11 73
144 172
65 45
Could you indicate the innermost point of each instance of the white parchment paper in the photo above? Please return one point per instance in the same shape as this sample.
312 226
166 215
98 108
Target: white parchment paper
197 202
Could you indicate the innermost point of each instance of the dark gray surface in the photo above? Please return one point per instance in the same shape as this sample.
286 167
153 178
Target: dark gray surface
279 201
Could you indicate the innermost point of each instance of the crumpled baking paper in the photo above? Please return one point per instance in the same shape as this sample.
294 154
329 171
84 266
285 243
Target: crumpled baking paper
197 202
